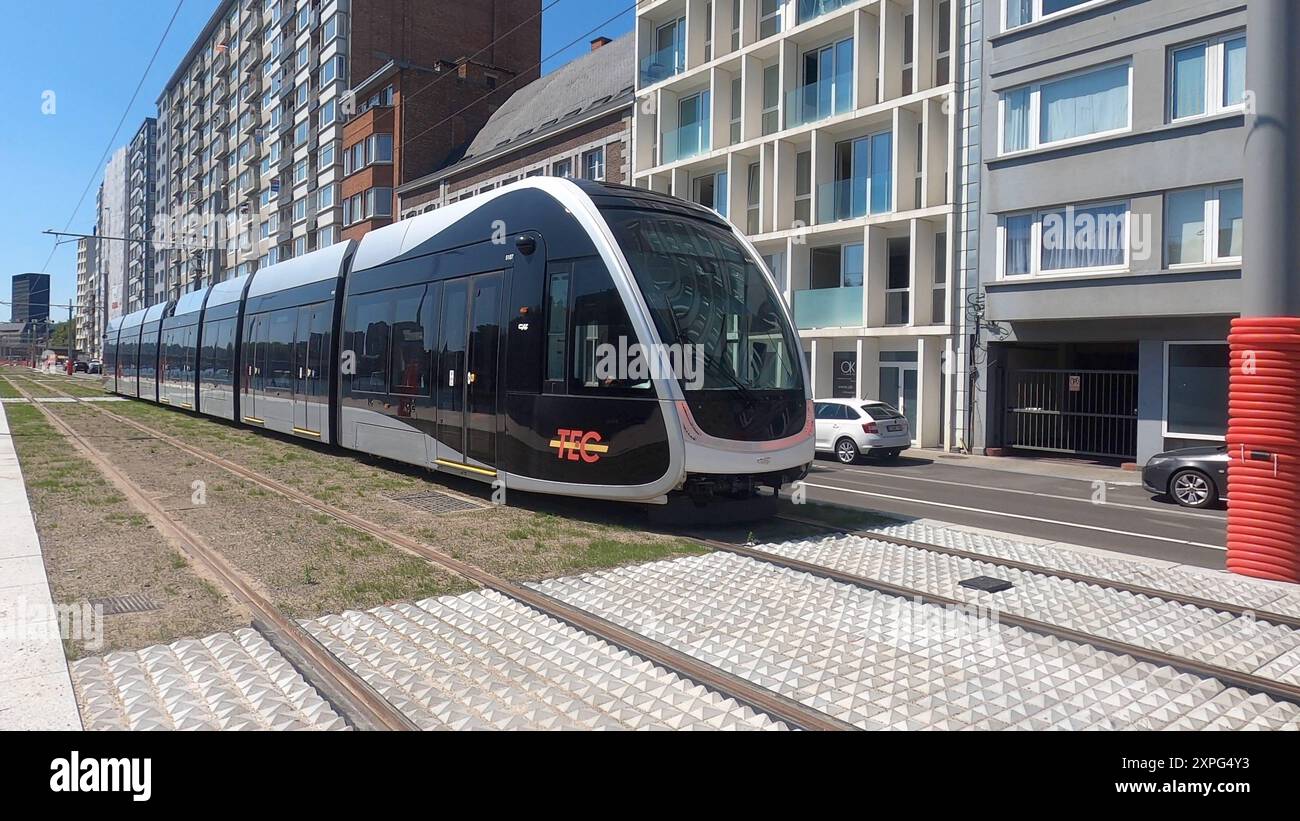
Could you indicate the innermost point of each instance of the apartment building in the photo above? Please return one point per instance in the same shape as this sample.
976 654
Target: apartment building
87 339
574 122
250 125
825 131
111 224
141 192
1108 258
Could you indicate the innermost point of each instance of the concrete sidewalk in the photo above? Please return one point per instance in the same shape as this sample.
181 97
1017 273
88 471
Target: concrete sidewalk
1035 466
35 689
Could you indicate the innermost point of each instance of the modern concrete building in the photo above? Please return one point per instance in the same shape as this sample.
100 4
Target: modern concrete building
111 226
1107 263
141 194
87 339
824 130
250 125
574 122
31 298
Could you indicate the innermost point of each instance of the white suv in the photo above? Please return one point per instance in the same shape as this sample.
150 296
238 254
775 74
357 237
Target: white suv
850 428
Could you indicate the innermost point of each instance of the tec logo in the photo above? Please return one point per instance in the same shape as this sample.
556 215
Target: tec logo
576 444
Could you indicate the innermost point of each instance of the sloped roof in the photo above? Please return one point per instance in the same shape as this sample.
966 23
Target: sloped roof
589 82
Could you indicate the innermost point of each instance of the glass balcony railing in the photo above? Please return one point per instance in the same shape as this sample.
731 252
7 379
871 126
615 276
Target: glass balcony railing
812 9
819 100
853 198
662 64
687 141
828 308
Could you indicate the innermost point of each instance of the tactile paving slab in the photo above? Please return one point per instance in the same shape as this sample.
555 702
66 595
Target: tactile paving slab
1209 636
484 661
228 681
880 661
1240 590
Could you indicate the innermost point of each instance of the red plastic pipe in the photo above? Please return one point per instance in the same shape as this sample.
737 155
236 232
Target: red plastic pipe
1264 448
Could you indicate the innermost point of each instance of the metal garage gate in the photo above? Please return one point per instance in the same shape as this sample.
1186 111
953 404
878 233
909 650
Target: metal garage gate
1084 413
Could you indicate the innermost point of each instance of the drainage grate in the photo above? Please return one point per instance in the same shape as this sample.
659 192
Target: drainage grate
432 501
987 584
117 605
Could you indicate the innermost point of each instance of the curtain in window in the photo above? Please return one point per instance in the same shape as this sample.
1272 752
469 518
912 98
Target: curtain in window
1234 71
1015 123
1091 237
1019 12
1019 239
1087 104
1189 82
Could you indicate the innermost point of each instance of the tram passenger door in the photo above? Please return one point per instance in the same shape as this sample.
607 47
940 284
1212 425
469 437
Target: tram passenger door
310 380
468 343
254 367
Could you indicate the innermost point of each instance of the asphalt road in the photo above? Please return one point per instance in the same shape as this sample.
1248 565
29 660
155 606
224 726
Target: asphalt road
1128 519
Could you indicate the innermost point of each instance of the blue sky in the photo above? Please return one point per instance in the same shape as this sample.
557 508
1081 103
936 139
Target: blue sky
90 54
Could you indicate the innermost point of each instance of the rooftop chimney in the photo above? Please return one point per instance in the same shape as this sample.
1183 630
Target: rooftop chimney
600 41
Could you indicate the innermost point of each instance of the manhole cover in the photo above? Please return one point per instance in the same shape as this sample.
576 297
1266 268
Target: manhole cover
434 502
117 605
988 584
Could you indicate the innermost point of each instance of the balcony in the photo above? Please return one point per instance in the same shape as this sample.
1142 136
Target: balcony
853 198
819 100
663 64
812 9
828 308
687 141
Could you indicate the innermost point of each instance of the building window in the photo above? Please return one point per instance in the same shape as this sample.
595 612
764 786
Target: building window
754 199
769 18
593 164
943 43
1208 77
771 99
711 191
1196 390
379 203
1203 225
803 188
909 53
300 172
1066 240
1071 108
737 103
300 210
898 282
301 132
562 168
939 295
325 198
1022 12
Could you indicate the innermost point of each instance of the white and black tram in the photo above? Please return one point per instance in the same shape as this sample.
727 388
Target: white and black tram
558 336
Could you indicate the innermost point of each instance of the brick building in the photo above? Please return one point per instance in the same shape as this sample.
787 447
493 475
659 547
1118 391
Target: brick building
410 120
251 124
574 122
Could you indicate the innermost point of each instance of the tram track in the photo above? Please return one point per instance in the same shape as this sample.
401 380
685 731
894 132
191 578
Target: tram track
780 707
775 705
349 693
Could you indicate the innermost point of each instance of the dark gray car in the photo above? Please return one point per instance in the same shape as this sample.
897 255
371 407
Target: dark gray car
1192 477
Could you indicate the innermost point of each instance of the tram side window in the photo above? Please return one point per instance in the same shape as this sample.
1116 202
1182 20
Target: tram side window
557 323
217 362
279 355
411 367
369 324
600 334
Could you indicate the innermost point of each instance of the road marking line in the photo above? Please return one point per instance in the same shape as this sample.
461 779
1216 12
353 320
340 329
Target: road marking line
1019 516
1171 512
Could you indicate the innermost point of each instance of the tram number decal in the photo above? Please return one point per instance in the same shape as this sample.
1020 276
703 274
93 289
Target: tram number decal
576 444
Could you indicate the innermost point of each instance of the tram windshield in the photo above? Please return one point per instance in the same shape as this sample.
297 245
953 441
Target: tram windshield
704 290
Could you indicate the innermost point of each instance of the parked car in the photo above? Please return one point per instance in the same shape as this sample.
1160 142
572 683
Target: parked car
95 366
852 428
1192 477
80 367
